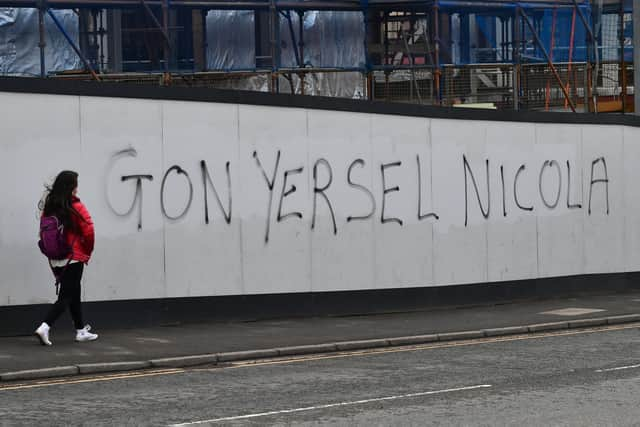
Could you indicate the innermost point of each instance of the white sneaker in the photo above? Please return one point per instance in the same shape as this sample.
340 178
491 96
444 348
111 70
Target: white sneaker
84 334
43 334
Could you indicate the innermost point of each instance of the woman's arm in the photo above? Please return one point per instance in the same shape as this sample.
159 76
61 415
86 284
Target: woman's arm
85 225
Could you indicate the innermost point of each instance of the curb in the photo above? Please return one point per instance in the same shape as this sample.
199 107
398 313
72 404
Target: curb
35 374
98 368
184 361
209 359
247 355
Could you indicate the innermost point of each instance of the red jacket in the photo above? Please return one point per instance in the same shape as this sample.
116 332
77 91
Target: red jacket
82 236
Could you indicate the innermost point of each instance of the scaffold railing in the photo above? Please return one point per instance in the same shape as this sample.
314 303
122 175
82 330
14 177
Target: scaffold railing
533 54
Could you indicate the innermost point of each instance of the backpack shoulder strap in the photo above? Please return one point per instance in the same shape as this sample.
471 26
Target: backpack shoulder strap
58 277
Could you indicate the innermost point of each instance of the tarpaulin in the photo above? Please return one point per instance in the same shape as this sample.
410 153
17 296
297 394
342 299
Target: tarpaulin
19 38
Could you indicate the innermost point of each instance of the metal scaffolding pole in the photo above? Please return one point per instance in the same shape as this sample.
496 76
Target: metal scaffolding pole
636 54
516 59
622 71
549 61
273 18
73 45
436 39
592 56
163 28
165 31
41 43
301 47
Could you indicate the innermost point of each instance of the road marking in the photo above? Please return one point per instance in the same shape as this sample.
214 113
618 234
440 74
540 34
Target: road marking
298 359
158 340
619 368
333 405
64 381
572 311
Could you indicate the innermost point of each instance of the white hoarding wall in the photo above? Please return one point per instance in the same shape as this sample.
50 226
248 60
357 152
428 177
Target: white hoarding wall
205 199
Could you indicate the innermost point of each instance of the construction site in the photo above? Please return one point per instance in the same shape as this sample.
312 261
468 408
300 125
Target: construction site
543 55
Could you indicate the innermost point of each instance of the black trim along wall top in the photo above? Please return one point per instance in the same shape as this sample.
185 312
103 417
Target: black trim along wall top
128 90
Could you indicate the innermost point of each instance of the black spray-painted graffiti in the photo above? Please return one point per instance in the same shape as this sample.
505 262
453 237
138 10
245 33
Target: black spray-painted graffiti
178 170
361 163
138 195
206 178
550 201
321 191
137 198
321 186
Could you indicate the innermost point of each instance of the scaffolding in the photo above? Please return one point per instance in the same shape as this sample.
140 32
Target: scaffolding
560 55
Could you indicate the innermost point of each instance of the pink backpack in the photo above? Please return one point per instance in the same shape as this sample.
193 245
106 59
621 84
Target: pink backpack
53 243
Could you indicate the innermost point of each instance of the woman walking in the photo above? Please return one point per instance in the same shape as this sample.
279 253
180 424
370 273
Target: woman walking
62 203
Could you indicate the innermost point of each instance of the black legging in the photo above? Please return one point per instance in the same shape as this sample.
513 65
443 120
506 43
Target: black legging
69 295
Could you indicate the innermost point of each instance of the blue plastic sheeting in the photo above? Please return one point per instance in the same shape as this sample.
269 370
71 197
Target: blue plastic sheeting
331 39
19 38
478 38
562 50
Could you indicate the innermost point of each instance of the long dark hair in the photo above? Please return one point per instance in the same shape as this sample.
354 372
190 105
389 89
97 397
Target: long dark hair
60 197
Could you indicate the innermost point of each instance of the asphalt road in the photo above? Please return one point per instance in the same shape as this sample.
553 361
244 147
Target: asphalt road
572 378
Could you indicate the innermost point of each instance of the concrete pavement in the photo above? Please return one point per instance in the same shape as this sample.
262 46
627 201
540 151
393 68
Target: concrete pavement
24 358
